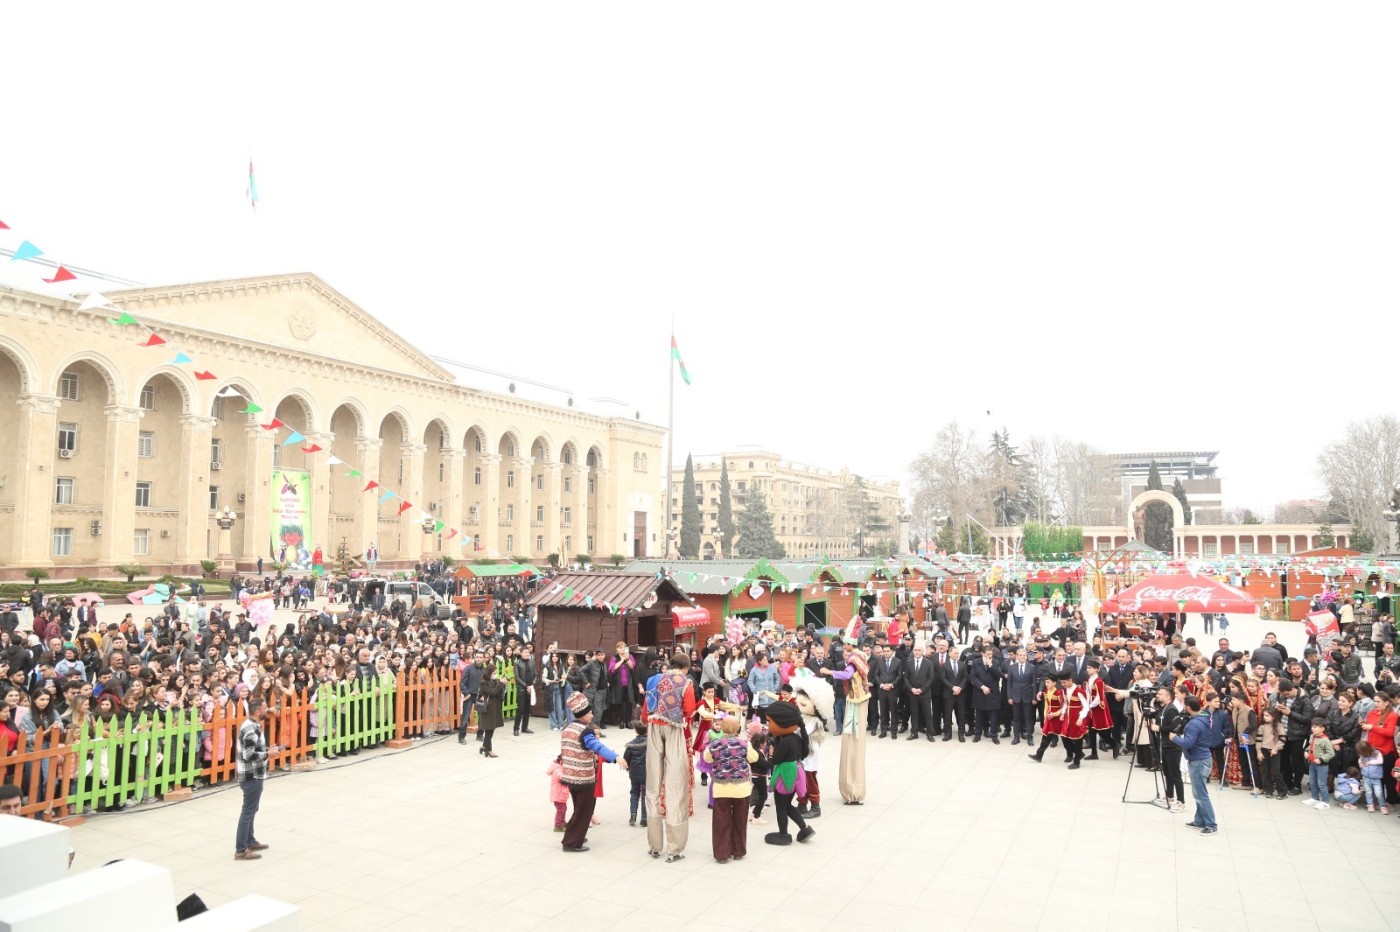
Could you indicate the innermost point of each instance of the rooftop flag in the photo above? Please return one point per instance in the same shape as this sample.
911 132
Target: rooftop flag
252 186
676 355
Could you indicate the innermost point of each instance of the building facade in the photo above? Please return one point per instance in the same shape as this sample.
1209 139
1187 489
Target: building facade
1195 468
816 512
119 454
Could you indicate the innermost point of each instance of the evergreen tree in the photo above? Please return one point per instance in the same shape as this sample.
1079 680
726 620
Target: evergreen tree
726 512
1007 471
1326 537
690 515
1179 493
1157 525
953 538
756 537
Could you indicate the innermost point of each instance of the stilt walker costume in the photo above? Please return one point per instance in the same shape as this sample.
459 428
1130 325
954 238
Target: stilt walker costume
857 677
670 700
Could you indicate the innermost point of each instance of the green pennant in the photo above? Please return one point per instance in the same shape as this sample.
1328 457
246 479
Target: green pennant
568 593
252 409
439 527
125 320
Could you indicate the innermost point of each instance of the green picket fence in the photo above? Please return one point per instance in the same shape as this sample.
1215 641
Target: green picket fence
116 767
510 699
353 715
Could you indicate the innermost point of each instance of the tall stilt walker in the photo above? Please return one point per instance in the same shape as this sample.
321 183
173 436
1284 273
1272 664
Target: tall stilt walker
670 774
852 777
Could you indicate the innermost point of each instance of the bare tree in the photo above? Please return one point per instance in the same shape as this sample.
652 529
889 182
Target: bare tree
1362 471
1086 486
951 479
1300 511
1039 480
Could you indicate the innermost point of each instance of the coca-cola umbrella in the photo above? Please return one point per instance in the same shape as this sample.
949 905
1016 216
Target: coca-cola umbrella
1180 593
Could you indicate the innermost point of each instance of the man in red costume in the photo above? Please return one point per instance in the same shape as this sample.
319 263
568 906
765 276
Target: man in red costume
1076 722
1100 716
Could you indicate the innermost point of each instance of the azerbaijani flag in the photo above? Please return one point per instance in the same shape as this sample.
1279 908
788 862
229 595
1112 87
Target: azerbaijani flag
676 355
252 186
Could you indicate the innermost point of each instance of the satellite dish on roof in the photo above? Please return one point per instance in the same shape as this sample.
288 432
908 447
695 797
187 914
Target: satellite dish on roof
511 388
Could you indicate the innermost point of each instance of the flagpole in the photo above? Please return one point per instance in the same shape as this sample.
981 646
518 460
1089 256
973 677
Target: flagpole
670 435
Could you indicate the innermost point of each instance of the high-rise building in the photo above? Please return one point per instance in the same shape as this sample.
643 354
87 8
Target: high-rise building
816 512
1195 468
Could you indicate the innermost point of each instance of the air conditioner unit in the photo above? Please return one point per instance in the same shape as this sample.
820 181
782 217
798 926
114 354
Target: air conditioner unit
216 465
242 496
65 454
164 533
433 506
476 509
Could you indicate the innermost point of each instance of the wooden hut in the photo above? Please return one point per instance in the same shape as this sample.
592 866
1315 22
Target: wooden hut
593 611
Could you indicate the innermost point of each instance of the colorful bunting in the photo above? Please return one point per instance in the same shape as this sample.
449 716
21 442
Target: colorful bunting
293 437
453 533
229 392
252 409
123 320
333 460
437 528
372 485
354 472
94 299
181 360
405 506
62 275
314 448
4 225
386 496
26 250
205 377
154 340
273 426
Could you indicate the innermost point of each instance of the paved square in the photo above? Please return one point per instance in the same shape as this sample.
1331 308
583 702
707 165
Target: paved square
952 836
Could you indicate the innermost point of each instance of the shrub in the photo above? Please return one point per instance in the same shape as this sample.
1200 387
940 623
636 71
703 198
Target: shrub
131 570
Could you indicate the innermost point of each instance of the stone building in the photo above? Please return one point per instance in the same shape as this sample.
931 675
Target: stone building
816 512
118 454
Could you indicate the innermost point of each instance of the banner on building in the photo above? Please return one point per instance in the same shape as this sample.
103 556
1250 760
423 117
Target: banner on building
291 517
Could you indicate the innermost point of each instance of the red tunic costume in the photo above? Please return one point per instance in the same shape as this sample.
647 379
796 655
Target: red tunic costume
1076 722
1100 718
1054 723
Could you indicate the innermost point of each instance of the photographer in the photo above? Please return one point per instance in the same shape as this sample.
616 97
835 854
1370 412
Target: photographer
1168 721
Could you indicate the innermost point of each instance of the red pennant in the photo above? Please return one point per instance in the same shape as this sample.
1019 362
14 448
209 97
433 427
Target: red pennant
274 425
372 485
451 534
155 340
62 275
4 225
311 449
405 506
205 376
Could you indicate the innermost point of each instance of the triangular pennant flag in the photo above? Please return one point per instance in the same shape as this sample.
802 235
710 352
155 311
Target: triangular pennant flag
4 225
26 250
154 340
205 377
333 460
274 425
568 593
293 437
453 533
371 485
62 275
123 320
437 528
405 506
386 496
252 409
229 392
557 589
588 600
180 359
311 449
353 473
94 299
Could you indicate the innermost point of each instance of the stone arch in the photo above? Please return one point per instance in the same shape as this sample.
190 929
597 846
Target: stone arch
568 453
544 444
1166 498
116 388
182 380
308 406
398 413
509 444
449 432
469 444
357 411
25 363
241 385
594 457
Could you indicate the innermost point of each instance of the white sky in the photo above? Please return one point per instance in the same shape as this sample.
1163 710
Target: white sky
1148 227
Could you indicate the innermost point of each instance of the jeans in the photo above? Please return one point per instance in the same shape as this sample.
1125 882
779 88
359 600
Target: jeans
1371 786
1200 783
1351 799
558 712
252 795
1317 782
639 799
839 710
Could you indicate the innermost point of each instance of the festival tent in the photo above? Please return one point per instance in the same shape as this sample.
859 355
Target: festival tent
1180 593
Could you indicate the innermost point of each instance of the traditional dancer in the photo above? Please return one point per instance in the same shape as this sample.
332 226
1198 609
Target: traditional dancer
670 778
580 751
1100 716
815 699
789 747
1053 725
1076 722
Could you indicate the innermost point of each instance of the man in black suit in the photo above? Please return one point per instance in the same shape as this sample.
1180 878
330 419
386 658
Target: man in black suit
1022 681
1058 664
984 677
920 679
1118 676
885 679
1079 663
952 692
964 619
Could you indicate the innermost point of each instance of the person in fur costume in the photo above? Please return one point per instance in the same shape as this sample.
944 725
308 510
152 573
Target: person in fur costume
816 700
790 746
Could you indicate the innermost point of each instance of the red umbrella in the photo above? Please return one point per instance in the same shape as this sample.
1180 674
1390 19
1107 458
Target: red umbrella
1168 593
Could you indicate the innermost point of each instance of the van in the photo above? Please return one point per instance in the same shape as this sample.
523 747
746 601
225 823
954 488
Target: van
410 592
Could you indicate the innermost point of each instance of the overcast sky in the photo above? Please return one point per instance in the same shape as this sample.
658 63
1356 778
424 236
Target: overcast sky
1144 226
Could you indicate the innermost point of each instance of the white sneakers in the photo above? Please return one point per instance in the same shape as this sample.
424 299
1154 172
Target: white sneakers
1317 804
1322 806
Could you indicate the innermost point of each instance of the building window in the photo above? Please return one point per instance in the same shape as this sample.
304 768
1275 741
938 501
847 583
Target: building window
213 498
217 411
539 543
141 542
442 471
1281 546
477 444
510 513
68 437
510 542
63 491
1208 549
568 545
63 541
591 487
476 476
539 513
143 495
590 543
277 456
145 443
568 517
510 478
568 483
216 451
1246 547
148 398
68 390
539 482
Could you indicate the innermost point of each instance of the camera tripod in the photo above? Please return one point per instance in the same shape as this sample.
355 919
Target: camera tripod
1143 719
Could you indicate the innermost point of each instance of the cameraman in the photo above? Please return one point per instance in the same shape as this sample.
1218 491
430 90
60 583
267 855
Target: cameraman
1173 707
